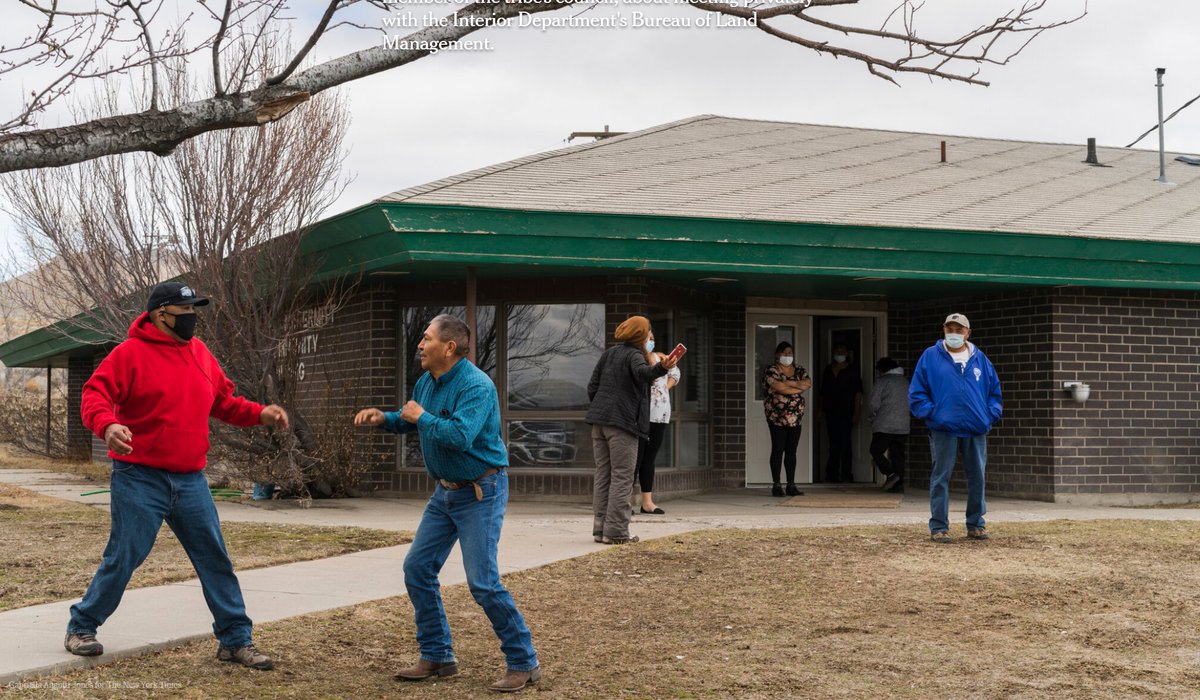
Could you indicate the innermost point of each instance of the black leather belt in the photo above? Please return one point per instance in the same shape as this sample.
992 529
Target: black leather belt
456 485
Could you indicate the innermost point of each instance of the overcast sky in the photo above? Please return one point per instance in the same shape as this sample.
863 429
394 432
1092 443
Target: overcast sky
453 112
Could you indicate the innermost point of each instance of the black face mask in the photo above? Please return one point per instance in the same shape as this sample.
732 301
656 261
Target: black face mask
185 325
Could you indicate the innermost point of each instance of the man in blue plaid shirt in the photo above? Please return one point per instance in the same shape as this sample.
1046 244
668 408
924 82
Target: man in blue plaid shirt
456 413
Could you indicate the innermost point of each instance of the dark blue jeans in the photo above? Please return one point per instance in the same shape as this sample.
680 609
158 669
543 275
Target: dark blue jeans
455 515
141 499
945 449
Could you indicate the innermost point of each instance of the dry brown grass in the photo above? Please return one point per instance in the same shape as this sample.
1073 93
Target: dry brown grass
50 547
1045 610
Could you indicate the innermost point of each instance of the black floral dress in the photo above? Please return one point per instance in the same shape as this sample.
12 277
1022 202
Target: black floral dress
783 410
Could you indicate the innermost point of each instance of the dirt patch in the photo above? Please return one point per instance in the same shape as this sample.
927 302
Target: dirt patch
50 548
1045 610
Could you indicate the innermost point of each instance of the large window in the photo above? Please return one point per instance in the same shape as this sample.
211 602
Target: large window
541 357
691 403
550 351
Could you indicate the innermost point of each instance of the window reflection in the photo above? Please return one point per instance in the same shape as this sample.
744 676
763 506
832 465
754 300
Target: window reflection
549 443
551 350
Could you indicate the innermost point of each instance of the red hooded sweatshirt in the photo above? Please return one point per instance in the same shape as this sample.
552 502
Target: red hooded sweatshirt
163 391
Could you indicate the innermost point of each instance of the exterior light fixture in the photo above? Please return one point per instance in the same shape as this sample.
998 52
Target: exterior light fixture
1079 391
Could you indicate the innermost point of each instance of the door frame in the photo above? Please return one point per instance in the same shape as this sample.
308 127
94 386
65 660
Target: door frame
754 419
802 316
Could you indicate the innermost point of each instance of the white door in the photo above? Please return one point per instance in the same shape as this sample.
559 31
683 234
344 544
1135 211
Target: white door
857 335
763 333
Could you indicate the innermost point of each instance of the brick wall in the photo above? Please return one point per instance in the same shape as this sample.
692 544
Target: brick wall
624 296
729 391
1137 438
351 363
1014 331
81 443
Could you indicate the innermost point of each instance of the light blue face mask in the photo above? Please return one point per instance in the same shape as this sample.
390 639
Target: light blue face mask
839 358
650 345
955 340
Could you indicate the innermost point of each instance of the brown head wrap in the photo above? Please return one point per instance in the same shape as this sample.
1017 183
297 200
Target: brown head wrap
634 330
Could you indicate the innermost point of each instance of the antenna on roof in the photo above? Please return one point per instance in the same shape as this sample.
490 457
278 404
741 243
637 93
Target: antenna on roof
598 135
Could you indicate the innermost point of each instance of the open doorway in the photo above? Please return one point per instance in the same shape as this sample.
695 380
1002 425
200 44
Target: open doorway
844 356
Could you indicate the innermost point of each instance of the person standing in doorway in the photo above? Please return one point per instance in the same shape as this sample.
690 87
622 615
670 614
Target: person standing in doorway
150 401
841 401
956 392
887 410
620 416
660 418
784 384
456 413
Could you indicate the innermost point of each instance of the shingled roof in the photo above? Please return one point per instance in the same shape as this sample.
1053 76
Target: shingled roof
719 167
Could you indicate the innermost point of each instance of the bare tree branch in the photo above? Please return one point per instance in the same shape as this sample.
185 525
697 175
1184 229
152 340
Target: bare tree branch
317 33
218 84
244 32
227 213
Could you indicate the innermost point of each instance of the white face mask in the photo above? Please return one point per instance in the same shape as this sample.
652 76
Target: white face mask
786 360
955 340
839 359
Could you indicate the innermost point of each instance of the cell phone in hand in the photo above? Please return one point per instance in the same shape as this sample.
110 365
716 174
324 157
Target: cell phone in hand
677 352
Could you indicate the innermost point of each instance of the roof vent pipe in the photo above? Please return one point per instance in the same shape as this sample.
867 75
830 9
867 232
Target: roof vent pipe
943 151
1091 156
1162 147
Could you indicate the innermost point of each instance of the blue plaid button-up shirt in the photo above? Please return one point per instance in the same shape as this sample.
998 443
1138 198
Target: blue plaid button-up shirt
460 429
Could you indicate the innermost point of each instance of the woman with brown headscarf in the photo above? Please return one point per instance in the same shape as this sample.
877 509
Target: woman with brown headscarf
620 417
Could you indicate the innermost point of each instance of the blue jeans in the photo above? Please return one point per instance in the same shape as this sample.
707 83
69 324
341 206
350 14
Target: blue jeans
141 499
452 515
945 448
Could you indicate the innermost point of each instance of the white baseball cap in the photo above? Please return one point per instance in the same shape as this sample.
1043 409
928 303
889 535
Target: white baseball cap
957 318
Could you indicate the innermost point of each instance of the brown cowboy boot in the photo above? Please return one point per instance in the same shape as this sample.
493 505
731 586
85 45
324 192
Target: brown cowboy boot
516 680
427 669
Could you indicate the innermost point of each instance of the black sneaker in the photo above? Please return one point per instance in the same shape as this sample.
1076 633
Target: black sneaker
83 645
793 491
777 491
247 656
892 481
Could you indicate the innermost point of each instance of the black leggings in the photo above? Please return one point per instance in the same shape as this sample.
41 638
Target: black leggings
783 449
647 453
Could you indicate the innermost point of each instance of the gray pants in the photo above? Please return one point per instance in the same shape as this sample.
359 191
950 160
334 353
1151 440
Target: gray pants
616 454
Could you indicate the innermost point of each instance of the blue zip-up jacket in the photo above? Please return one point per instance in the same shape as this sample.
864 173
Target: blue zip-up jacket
460 429
960 401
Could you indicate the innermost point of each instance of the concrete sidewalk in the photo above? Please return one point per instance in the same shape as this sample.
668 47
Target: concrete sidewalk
535 534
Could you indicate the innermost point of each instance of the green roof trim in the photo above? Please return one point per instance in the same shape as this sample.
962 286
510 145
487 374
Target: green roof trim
409 234
432 240
50 345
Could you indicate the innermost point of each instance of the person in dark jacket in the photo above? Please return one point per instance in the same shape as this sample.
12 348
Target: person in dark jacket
840 392
956 392
620 416
150 401
887 410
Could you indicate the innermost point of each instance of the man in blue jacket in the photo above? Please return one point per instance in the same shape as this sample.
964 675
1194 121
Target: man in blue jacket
955 390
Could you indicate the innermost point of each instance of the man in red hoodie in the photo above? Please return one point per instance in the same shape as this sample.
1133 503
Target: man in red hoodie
150 401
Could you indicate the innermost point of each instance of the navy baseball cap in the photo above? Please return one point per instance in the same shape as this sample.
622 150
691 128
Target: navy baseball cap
176 293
